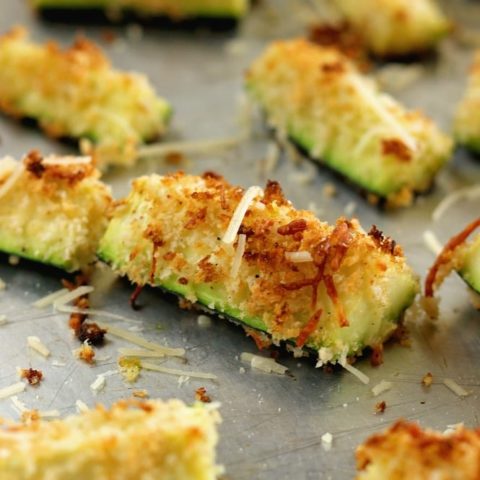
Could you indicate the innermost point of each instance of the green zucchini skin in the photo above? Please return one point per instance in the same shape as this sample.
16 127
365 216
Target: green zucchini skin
151 240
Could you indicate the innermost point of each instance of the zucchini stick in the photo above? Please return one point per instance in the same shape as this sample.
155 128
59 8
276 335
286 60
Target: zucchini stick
467 118
315 96
392 28
52 210
131 441
406 451
249 255
75 93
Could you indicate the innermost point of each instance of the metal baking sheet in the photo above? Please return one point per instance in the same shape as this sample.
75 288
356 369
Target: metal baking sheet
272 425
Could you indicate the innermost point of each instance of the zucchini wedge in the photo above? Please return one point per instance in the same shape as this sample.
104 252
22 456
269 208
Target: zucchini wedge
131 441
221 14
407 451
458 254
75 93
395 28
249 255
315 96
467 117
53 210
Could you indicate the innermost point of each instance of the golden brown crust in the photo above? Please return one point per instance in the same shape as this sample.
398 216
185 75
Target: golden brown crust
406 451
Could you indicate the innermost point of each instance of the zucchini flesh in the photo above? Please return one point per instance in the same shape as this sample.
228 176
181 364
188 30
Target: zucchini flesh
53 213
467 118
318 98
152 439
470 269
75 93
396 27
168 233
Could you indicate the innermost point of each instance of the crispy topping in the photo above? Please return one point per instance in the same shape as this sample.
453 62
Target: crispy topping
91 333
33 377
201 395
395 147
85 353
380 407
446 256
273 193
33 163
387 244
295 226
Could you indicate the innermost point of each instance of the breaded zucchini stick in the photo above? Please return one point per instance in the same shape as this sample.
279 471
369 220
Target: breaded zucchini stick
405 451
52 210
116 10
396 27
75 93
131 441
280 272
460 255
316 96
467 118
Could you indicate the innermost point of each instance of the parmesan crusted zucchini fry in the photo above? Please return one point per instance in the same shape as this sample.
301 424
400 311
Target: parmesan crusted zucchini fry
467 119
317 97
131 441
460 255
75 93
405 451
396 27
282 273
52 210
211 11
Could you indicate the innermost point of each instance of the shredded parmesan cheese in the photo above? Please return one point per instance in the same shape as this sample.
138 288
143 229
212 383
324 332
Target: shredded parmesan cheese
3 319
50 298
12 179
136 352
70 296
67 160
468 193
298 257
455 387
98 384
204 321
381 387
432 242
174 371
190 147
94 312
3 285
327 440
36 344
267 365
356 372
237 260
19 406
11 390
239 213
141 342
81 406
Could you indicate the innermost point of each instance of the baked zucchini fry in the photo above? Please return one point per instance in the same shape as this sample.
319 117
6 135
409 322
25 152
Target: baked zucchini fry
467 118
131 441
75 93
460 255
52 210
317 97
392 28
405 451
214 12
280 272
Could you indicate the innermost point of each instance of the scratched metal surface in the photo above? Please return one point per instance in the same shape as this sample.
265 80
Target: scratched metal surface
272 425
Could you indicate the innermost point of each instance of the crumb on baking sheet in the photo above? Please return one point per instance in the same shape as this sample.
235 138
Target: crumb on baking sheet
85 353
380 407
427 379
140 393
201 395
33 377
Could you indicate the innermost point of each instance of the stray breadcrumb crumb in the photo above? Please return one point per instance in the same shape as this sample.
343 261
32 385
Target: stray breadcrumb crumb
201 395
427 380
140 393
13 260
129 368
33 377
85 353
380 407
329 190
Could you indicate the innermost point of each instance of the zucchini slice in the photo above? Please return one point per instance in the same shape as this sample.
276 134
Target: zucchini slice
131 441
222 14
318 98
52 210
407 451
396 28
252 257
75 93
458 254
467 118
